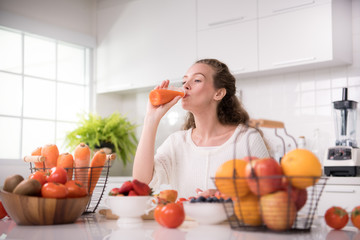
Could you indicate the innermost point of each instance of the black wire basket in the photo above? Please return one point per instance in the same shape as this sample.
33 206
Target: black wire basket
84 175
276 211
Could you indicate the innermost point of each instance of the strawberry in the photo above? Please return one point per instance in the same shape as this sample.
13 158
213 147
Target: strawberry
114 192
132 193
126 188
142 189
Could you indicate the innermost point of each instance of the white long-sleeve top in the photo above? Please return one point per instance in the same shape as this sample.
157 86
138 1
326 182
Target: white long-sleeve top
184 166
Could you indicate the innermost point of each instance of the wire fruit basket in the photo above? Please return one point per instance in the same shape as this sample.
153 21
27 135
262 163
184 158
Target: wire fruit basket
84 175
269 203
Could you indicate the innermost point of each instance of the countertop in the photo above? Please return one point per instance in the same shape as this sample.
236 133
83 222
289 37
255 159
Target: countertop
94 226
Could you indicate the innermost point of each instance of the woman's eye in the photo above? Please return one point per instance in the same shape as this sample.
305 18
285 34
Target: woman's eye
183 83
197 80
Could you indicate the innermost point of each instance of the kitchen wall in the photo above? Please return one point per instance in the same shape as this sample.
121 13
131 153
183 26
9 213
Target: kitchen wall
302 100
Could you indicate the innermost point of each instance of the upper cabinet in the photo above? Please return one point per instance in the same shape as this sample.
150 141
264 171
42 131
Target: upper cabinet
229 35
272 7
307 34
215 13
141 43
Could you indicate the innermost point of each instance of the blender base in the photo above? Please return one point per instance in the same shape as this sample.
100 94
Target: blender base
342 171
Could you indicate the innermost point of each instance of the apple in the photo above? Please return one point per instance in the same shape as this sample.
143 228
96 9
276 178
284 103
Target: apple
301 199
168 195
248 158
263 176
278 211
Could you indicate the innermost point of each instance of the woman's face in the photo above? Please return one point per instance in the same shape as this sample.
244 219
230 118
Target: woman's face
199 87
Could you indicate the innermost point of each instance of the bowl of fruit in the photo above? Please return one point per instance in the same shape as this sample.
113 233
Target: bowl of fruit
129 202
209 210
36 202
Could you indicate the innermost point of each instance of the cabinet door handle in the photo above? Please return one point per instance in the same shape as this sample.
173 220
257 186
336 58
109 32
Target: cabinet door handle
225 21
340 191
294 61
293 7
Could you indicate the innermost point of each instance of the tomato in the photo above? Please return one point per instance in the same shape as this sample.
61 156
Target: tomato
355 217
54 190
3 212
75 189
40 176
57 175
170 215
336 217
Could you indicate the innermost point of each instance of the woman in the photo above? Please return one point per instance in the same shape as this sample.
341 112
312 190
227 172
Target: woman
216 121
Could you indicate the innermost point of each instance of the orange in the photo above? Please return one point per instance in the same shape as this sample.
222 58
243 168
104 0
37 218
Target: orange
302 167
247 210
227 183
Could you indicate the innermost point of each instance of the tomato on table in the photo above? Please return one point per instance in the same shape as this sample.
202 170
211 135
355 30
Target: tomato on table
336 217
40 176
54 190
355 217
170 215
3 212
75 189
57 175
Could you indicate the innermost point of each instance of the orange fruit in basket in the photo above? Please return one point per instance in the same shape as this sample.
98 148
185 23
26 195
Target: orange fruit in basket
302 167
247 210
227 183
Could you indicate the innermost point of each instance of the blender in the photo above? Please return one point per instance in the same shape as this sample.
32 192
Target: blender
344 158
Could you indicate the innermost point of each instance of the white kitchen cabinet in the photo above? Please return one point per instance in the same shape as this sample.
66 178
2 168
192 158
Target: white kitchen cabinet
141 43
235 45
272 7
216 13
309 37
340 191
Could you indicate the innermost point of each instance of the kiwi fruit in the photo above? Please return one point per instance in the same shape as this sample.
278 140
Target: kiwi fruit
11 182
29 187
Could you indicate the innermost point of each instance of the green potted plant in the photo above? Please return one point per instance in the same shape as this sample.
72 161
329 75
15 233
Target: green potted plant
114 132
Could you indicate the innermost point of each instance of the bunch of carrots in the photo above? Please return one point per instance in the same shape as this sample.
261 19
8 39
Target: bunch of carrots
86 171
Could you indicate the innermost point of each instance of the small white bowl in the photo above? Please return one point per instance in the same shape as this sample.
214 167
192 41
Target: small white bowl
206 213
129 209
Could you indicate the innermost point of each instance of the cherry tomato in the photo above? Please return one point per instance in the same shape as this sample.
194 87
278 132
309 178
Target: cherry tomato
54 190
3 212
57 175
75 189
40 176
355 217
170 215
336 217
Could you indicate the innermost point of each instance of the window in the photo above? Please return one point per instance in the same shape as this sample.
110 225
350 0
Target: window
44 85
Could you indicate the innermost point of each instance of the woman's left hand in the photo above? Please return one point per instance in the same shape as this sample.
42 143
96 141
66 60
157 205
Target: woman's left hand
207 193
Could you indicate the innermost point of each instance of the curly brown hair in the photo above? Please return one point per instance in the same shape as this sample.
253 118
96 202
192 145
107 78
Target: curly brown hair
229 111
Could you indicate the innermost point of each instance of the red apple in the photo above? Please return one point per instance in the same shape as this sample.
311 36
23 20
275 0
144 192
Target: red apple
278 211
263 176
301 199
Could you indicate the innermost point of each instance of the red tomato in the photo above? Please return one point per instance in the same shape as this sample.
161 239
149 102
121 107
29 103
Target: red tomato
40 176
170 215
57 175
336 217
54 190
75 189
355 217
3 212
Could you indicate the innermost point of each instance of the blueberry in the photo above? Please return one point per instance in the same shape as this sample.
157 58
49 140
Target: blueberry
209 199
215 199
228 200
193 200
201 199
221 200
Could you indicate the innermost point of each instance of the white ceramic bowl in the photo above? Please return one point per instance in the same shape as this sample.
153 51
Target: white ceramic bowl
206 213
129 209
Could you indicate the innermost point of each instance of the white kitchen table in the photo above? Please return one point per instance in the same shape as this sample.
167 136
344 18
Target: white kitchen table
96 227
